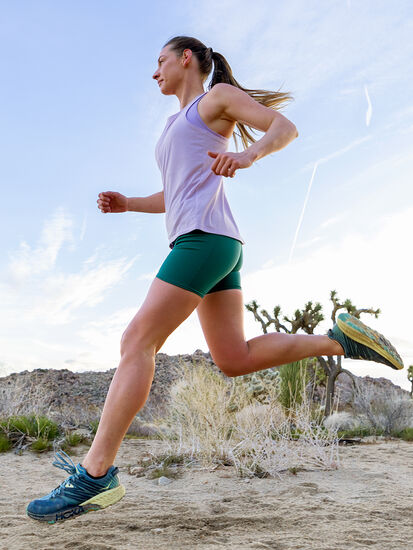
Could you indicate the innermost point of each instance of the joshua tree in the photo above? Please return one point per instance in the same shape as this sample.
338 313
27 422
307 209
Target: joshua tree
307 320
410 378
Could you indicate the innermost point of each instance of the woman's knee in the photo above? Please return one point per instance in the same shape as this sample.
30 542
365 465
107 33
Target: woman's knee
232 365
229 370
134 341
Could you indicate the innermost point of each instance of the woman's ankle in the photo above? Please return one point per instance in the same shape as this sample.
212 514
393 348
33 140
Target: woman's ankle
94 470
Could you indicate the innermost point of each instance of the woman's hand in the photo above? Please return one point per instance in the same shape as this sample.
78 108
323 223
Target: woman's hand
111 201
227 163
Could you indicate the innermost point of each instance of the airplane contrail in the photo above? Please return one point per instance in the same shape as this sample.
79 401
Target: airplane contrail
369 108
322 160
339 152
303 210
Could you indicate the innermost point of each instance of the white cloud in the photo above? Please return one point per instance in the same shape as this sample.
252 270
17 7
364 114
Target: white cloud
64 293
51 295
32 314
310 242
148 276
28 261
101 339
331 221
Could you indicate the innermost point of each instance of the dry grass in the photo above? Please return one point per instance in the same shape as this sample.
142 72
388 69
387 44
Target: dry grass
258 439
19 402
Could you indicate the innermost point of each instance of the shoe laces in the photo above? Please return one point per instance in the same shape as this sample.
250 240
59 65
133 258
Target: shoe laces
64 465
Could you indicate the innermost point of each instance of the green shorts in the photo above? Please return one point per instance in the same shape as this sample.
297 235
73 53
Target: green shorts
203 263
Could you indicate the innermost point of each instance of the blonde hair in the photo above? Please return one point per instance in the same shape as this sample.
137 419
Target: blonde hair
223 73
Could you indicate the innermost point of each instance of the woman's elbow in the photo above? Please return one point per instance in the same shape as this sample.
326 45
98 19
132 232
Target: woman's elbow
291 131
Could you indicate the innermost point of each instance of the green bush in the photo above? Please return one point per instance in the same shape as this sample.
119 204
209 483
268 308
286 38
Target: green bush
41 444
360 431
406 434
164 464
293 381
93 425
320 377
31 425
35 431
5 443
74 439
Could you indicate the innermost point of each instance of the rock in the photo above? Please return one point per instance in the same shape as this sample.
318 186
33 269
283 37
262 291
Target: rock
164 480
138 471
344 388
82 432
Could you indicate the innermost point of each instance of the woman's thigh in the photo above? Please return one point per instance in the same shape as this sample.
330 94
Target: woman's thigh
165 307
203 262
221 315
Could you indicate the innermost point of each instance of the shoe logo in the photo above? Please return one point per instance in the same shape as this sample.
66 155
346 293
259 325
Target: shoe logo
70 485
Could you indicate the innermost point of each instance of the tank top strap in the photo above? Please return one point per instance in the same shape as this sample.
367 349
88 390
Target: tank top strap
186 109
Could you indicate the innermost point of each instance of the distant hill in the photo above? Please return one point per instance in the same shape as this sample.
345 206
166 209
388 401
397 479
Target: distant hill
77 396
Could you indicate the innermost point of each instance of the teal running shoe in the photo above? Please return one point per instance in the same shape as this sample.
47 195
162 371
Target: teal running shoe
362 342
78 494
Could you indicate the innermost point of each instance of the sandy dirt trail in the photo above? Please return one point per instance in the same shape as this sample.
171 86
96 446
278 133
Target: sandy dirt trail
366 503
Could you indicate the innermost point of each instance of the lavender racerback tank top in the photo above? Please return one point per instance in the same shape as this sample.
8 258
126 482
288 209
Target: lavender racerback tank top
194 195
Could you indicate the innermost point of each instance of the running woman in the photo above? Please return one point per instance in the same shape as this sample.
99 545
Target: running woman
202 271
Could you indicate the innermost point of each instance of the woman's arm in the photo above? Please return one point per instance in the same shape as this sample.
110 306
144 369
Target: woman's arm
278 135
241 107
233 103
154 204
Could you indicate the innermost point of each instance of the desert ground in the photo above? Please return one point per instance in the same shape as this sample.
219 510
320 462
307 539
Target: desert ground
366 503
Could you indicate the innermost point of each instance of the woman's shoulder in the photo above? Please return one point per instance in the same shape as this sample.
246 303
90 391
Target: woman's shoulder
217 97
211 108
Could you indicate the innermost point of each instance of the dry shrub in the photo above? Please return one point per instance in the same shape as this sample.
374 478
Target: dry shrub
198 415
139 428
259 439
74 416
18 401
252 417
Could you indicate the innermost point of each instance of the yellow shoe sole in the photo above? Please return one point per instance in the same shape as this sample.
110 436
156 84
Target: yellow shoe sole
359 332
107 497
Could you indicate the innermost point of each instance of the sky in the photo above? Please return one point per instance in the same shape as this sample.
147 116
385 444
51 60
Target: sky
80 114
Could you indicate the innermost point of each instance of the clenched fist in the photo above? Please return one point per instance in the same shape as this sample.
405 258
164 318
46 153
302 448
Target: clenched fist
227 163
111 201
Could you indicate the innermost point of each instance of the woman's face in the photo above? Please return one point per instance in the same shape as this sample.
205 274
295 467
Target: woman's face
169 71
